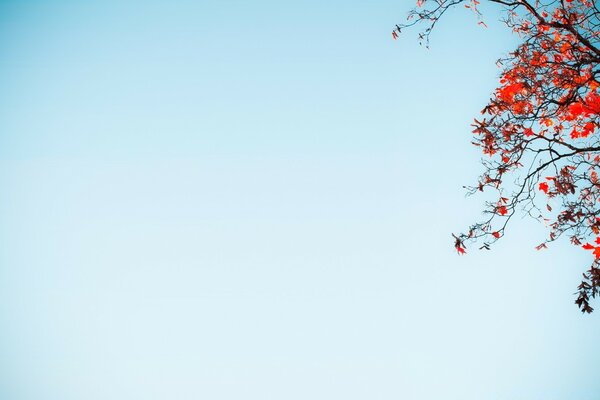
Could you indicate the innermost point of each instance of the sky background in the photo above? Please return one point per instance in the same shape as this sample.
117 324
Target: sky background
254 200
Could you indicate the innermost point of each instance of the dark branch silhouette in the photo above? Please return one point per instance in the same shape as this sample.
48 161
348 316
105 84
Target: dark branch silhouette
539 131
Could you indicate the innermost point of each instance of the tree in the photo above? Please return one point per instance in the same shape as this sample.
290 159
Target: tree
539 131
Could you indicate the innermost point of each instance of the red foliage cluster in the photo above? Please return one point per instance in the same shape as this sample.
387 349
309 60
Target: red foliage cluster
539 131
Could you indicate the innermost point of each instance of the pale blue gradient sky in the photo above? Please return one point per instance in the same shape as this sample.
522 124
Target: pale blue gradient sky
254 200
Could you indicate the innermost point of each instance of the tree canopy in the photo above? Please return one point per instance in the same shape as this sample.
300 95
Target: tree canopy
539 132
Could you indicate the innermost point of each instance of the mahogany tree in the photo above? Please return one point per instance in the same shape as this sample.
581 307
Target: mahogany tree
539 132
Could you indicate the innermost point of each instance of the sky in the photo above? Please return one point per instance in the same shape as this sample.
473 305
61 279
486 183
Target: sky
255 200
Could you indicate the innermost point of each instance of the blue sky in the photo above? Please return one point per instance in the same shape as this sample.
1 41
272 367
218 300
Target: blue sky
227 200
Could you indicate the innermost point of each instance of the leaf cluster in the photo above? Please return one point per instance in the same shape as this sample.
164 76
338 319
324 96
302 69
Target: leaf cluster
539 133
